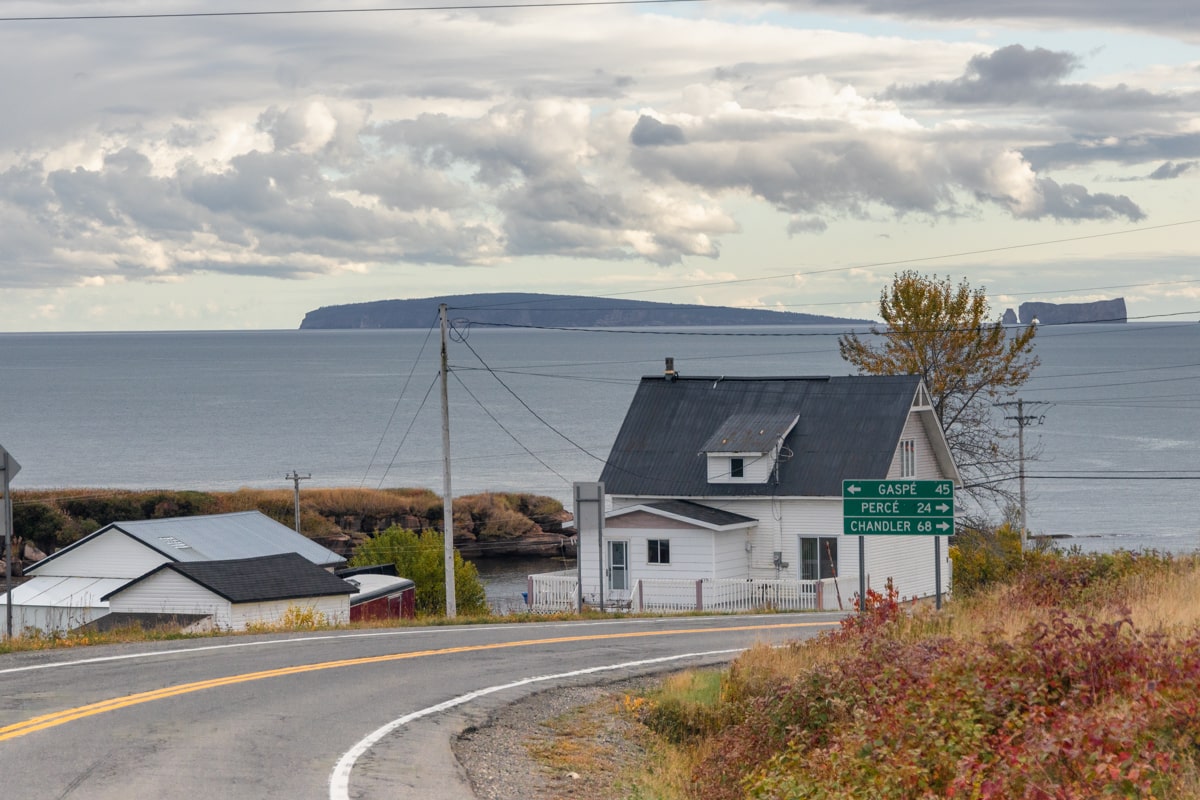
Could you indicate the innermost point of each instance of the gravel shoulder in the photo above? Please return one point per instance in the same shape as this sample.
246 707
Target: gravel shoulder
569 742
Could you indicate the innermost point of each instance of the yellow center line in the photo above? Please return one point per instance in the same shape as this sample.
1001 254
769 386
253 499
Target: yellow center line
57 718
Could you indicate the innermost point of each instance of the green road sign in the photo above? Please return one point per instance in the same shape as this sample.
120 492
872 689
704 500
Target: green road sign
902 508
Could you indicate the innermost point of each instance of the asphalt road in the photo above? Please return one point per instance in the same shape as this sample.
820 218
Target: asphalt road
362 714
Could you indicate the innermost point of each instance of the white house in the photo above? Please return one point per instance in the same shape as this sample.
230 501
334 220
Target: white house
737 482
233 594
66 589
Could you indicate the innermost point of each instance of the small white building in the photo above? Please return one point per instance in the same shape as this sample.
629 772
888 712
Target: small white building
237 593
65 590
735 483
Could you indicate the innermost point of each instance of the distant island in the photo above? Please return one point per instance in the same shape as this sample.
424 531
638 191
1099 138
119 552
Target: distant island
1068 313
549 310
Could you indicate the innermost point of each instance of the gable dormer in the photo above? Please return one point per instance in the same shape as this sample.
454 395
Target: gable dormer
747 447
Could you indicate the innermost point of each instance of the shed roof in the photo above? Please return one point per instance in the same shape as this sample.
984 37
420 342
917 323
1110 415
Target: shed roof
705 516
283 576
846 427
750 432
211 537
62 592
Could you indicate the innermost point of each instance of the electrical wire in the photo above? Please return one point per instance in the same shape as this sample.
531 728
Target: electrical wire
511 435
287 12
407 431
400 397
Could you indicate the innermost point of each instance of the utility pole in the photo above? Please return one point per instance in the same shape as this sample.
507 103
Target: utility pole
10 468
1022 419
295 477
447 497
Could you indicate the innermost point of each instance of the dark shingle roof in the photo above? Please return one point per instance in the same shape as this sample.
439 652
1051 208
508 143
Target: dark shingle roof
283 576
848 427
706 515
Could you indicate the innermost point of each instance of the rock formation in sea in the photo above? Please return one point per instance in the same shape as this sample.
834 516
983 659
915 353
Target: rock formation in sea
1068 313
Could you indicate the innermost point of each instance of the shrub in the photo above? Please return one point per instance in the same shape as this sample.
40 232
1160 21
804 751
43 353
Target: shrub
982 557
420 558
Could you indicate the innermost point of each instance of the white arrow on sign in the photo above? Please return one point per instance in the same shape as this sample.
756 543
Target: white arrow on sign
852 489
941 526
943 508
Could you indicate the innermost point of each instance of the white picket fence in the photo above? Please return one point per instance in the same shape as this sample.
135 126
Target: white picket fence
558 592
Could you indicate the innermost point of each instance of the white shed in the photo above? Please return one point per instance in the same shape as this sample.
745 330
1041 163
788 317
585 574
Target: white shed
237 593
66 589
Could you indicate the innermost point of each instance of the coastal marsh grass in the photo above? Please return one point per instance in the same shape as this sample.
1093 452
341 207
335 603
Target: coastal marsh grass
1075 677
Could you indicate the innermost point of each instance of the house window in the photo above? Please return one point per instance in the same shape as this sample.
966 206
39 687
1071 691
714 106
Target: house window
737 468
908 458
818 557
659 551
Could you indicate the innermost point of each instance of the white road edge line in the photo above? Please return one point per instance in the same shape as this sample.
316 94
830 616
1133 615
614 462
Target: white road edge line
339 781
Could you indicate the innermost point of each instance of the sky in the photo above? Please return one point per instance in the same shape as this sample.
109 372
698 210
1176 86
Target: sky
234 172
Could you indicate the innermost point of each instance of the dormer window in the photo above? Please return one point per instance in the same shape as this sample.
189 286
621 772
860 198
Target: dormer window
747 448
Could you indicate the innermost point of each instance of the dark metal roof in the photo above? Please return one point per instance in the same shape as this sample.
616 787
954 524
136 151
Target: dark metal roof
706 515
848 427
750 433
283 576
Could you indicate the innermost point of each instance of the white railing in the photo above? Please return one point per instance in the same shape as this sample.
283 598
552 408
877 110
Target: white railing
553 591
558 591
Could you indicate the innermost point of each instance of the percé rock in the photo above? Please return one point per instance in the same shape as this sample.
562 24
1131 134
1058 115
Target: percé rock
549 310
1068 313
1063 313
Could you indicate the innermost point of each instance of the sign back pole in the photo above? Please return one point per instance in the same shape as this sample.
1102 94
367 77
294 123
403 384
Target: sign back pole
10 467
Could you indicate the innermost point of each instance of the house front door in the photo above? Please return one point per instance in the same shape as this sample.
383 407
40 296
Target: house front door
618 566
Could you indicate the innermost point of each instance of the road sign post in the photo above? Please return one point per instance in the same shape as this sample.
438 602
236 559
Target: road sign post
898 508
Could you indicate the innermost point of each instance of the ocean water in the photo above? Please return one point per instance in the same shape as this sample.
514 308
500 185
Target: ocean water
1113 460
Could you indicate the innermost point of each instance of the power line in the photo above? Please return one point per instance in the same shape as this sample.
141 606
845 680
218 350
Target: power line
392 416
511 435
326 11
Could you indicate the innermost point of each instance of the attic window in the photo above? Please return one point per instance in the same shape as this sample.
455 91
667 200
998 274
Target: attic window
737 468
178 544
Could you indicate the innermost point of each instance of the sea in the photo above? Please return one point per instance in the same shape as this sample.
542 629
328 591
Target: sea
1112 411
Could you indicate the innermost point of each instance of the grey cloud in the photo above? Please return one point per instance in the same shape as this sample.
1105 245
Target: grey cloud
1071 201
1172 169
1175 18
799 225
1136 149
648 132
848 176
1014 75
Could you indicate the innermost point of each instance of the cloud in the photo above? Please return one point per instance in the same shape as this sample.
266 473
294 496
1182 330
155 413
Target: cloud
1169 17
649 132
295 149
1014 75
1172 169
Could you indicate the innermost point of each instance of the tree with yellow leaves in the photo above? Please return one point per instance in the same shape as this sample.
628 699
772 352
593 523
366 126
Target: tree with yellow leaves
942 332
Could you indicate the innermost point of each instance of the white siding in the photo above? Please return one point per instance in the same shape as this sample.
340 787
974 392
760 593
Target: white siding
168 592
335 610
908 561
112 554
756 467
927 465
